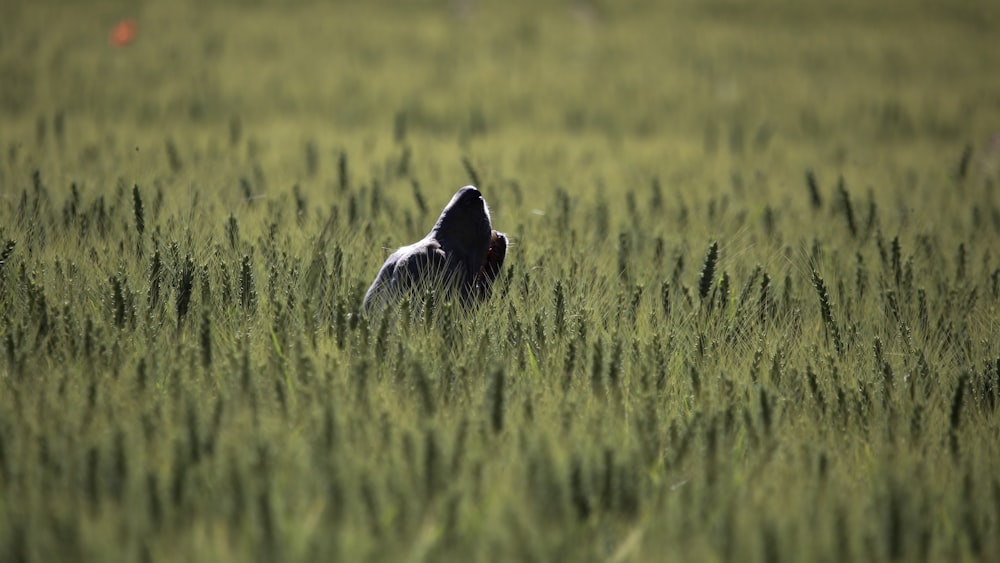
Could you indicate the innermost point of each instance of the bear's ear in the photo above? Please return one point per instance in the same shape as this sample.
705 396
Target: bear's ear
491 265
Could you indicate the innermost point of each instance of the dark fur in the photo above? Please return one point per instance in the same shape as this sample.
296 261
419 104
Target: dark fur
461 253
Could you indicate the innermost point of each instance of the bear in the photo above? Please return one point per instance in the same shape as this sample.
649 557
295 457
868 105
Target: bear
462 254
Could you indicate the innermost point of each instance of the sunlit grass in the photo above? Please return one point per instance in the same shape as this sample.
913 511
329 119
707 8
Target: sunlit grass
748 310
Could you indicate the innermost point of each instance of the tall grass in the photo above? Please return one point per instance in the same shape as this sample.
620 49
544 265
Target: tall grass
690 353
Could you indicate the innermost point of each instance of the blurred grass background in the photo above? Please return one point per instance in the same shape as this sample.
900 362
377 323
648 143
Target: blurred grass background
603 407
621 70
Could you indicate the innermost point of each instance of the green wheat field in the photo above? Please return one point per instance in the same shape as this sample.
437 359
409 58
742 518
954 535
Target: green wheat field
749 310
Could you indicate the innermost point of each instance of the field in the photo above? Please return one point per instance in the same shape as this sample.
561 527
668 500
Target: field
749 311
